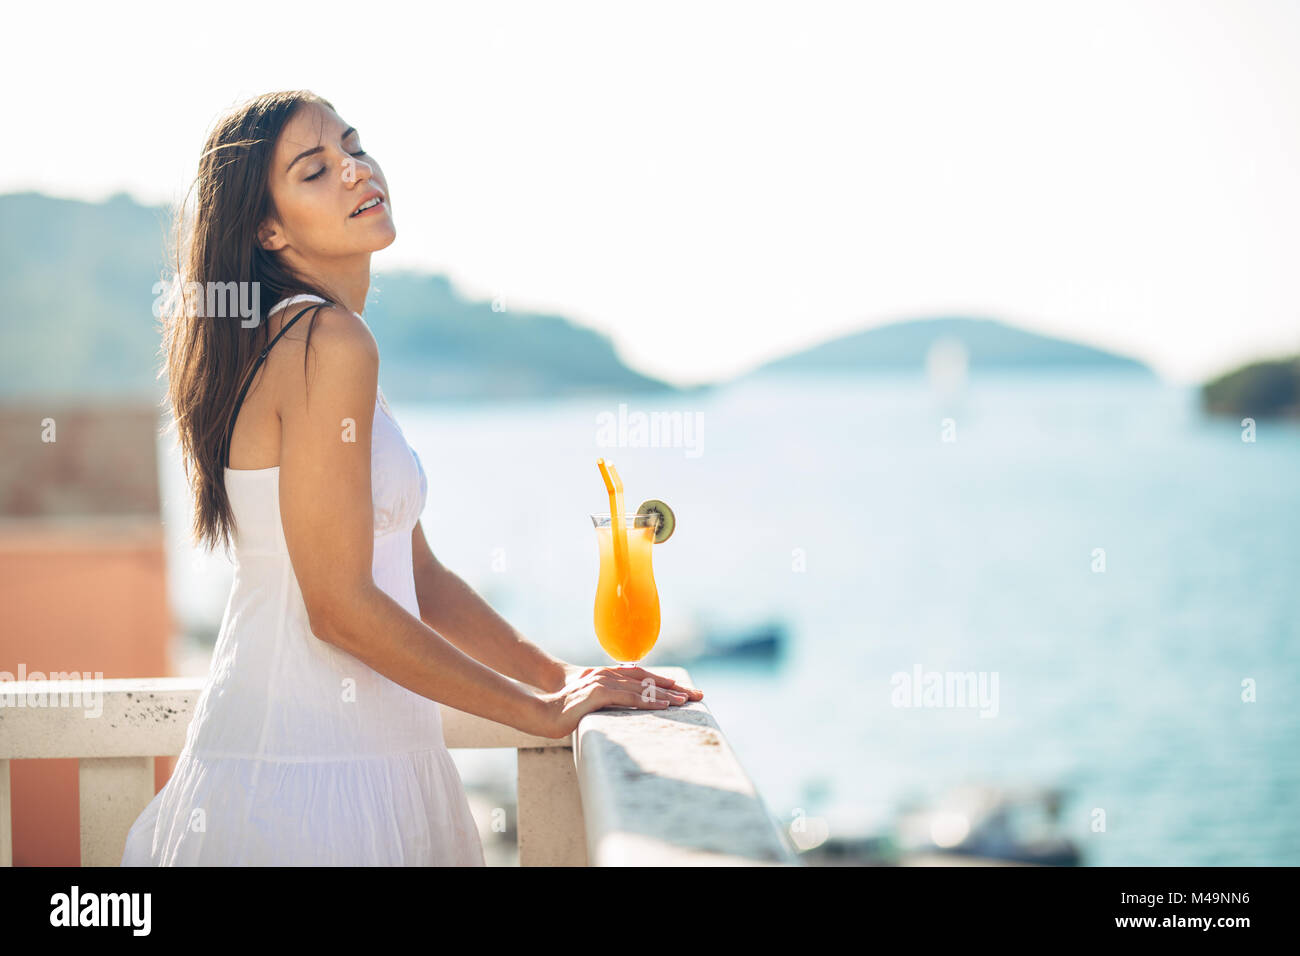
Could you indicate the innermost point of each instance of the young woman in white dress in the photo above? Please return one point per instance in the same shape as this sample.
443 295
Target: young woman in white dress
317 738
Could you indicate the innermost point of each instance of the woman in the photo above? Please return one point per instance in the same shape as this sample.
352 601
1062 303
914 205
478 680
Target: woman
317 738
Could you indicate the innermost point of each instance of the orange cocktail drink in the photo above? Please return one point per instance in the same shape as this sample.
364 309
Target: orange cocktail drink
627 600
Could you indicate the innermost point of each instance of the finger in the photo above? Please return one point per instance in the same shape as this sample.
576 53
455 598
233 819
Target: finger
630 698
658 702
648 691
640 673
644 677
663 681
656 692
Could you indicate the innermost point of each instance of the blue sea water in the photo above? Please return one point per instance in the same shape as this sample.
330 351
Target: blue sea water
838 507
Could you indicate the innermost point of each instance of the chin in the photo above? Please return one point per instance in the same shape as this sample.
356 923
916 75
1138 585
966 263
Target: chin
384 241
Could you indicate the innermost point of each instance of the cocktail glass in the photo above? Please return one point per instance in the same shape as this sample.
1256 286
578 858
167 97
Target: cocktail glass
627 611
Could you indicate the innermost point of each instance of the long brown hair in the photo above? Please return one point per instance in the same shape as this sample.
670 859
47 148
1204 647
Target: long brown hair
208 358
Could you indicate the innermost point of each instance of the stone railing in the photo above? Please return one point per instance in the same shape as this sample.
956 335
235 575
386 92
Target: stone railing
629 787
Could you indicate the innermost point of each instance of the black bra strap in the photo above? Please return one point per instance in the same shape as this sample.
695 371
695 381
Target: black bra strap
261 357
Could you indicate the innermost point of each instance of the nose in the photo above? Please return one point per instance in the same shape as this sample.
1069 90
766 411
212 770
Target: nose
356 170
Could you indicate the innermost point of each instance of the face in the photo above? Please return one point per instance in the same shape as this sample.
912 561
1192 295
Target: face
320 175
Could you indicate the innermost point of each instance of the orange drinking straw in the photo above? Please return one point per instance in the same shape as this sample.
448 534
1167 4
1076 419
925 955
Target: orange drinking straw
614 485
620 540
620 531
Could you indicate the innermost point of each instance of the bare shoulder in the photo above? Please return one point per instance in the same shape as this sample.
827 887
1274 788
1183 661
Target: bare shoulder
339 335
342 356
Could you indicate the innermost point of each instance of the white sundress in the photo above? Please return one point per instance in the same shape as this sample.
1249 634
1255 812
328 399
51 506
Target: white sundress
299 753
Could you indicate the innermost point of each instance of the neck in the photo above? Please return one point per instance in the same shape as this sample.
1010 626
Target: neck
347 279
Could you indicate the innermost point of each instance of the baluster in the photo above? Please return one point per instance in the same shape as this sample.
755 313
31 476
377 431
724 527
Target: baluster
114 790
551 828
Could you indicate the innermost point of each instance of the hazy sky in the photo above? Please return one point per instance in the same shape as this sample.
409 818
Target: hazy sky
716 184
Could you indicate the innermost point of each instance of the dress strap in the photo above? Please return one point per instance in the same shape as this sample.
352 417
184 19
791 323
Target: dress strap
305 297
261 357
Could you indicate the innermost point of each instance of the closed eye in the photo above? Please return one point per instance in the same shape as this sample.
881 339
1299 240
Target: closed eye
321 171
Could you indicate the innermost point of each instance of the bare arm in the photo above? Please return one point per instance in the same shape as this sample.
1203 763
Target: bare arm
457 612
328 516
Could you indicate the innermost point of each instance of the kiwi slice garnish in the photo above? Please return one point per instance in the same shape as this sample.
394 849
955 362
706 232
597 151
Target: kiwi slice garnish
666 521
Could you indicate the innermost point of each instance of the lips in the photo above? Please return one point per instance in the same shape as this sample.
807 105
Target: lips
369 198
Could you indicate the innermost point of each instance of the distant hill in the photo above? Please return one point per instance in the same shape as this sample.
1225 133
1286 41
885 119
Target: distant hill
437 345
1259 390
989 345
76 284
76 294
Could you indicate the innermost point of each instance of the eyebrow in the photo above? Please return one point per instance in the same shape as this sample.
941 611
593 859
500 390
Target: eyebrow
316 149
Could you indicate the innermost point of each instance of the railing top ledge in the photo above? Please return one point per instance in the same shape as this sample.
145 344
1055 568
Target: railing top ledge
149 716
11 689
664 788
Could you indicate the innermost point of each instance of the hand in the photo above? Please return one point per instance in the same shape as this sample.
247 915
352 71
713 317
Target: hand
592 688
573 671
